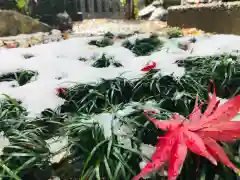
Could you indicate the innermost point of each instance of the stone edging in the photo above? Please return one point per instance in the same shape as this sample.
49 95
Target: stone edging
28 40
223 18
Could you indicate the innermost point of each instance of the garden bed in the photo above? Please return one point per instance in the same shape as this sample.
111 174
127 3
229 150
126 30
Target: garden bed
74 108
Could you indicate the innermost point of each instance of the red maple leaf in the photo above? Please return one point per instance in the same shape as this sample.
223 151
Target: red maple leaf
199 133
61 91
149 67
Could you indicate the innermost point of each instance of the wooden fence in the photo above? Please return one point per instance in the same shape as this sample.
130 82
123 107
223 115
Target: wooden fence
100 8
46 10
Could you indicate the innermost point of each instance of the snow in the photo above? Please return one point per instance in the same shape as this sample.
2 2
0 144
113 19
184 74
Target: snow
111 125
216 44
56 147
4 142
146 10
60 59
105 121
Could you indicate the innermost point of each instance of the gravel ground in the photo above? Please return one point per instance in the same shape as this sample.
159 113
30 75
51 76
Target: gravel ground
101 26
94 27
86 28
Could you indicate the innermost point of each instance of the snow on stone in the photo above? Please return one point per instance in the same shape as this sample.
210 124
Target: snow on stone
147 10
56 147
111 125
4 142
60 59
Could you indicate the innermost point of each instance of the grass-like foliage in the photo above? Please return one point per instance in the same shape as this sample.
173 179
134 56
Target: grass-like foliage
102 62
99 156
120 36
22 77
145 46
102 42
25 149
174 32
223 69
28 56
105 61
95 98
152 86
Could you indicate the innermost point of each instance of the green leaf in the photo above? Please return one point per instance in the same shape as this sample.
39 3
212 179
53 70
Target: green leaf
108 168
11 173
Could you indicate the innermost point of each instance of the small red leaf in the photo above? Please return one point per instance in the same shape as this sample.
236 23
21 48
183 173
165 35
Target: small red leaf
11 45
61 90
149 67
